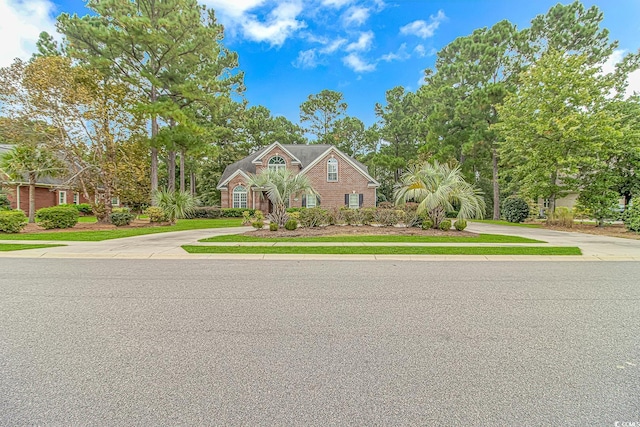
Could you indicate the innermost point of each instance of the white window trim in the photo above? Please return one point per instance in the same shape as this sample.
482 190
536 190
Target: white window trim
76 198
352 197
276 166
62 197
314 199
332 162
238 203
117 203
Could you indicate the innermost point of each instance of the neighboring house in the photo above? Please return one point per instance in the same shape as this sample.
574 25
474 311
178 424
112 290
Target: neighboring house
340 180
49 191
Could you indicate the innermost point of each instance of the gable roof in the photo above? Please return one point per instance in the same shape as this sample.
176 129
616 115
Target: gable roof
305 154
42 180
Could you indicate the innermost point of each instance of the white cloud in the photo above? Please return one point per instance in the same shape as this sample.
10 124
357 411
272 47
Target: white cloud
306 59
633 79
280 23
333 46
423 29
336 3
21 22
356 15
357 64
363 43
420 51
400 55
234 8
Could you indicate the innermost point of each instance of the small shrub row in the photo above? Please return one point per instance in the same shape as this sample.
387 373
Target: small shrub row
83 208
57 217
12 221
632 217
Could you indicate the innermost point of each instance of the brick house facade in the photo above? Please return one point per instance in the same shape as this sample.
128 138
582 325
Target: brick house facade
339 179
49 191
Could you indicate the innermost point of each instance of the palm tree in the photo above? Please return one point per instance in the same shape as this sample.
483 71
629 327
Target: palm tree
175 204
34 161
280 185
437 188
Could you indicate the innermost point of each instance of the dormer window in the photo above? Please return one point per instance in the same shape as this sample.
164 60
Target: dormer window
277 163
332 170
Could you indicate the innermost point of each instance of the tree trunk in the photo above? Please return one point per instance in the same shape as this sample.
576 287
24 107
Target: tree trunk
32 198
171 171
496 185
182 183
552 198
154 150
192 183
108 207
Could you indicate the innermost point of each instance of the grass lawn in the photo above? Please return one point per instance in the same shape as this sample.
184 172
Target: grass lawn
385 250
382 238
96 236
513 224
6 247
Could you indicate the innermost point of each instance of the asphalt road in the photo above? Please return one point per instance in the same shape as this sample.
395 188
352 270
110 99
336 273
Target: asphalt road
174 342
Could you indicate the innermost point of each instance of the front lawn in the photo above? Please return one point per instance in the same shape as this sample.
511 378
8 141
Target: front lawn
385 250
6 247
99 235
380 238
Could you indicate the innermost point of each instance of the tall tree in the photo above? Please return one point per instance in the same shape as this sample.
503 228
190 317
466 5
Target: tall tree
557 124
321 112
151 45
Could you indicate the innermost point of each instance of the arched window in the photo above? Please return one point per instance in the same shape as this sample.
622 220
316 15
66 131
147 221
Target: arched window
277 163
332 170
239 197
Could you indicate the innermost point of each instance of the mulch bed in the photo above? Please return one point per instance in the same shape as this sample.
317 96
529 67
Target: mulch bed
349 230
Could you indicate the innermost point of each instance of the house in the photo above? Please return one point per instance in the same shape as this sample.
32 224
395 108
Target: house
340 180
49 191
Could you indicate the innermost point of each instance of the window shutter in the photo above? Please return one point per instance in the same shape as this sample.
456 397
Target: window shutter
346 200
304 201
361 199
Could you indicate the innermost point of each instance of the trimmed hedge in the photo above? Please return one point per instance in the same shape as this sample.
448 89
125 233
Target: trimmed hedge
156 214
291 224
460 224
445 225
57 217
12 221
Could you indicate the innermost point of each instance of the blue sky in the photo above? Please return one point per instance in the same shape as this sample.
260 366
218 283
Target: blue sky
290 49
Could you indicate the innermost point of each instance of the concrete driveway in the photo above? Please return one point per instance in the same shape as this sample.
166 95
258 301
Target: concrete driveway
168 246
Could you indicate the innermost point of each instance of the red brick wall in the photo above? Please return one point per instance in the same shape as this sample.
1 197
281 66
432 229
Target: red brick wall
349 180
45 197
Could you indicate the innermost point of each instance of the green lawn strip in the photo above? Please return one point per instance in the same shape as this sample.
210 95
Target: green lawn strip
385 250
6 247
482 238
512 224
96 236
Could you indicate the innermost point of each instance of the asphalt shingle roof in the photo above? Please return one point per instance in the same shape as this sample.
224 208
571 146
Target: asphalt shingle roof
305 153
43 180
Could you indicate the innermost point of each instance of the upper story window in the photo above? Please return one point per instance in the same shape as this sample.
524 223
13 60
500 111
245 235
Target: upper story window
332 170
239 197
277 163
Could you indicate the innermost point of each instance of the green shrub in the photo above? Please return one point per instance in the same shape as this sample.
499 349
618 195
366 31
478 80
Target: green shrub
246 218
632 216
176 204
515 209
5 204
385 205
57 217
258 224
427 224
445 225
12 221
291 210
205 212
291 224
368 215
156 214
314 217
387 217
562 216
84 208
460 224
451 214
234 212
121 218
273 226
258 215
120 210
